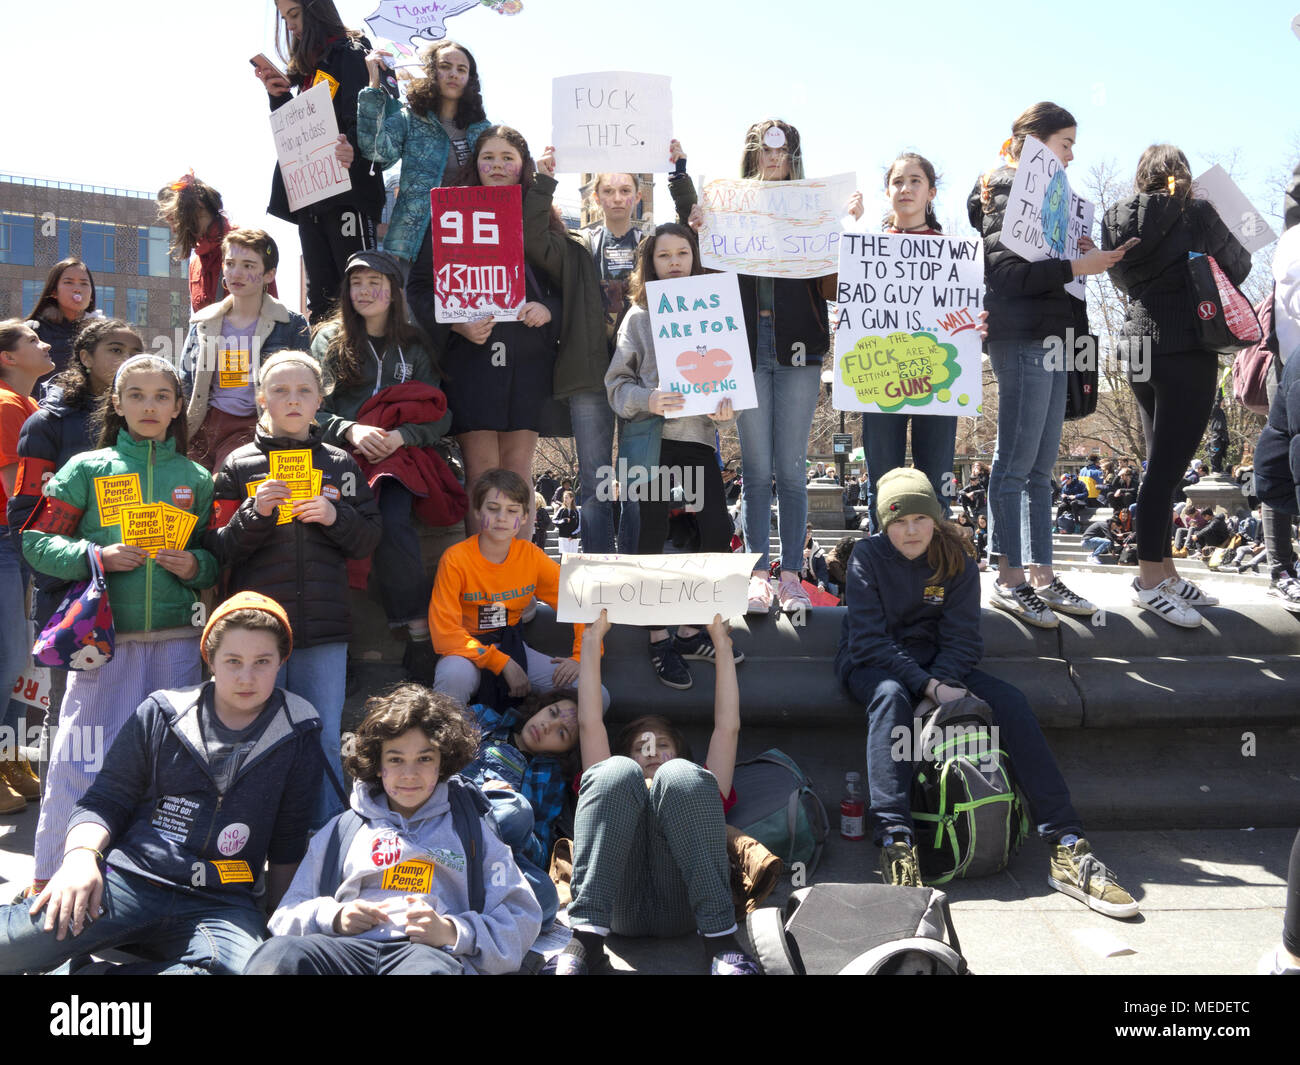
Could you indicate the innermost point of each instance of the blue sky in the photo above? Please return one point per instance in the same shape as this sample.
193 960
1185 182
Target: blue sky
147 89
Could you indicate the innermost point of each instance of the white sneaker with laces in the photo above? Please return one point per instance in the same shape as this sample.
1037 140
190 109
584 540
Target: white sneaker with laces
1287 589
1059 597
1024 603
1169 605
760 595
1186 590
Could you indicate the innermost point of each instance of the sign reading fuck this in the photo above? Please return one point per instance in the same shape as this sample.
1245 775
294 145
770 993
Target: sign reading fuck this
701 346
612 121
306 134
908 335
478 252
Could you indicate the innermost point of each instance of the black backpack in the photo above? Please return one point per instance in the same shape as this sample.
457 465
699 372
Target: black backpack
857 930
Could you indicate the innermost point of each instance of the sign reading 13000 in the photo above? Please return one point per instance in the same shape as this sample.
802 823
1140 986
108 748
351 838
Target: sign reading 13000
478 253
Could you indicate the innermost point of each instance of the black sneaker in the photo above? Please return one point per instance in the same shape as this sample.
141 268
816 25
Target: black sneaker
1286 589
669 666
420 661
700 648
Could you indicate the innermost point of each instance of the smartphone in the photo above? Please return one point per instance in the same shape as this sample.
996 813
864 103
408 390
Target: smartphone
265 67
1132 242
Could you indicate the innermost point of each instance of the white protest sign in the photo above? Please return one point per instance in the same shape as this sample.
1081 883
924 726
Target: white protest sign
305 137
612 120
907 340
701 346
1237 212
1045 217
654 589
774 228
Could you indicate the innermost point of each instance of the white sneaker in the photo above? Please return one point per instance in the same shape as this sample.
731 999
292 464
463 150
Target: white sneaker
1059 597
760 595
1024 603
1186 590
1168 604
1276 963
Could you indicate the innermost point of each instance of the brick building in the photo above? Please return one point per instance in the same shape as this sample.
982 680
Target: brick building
114 231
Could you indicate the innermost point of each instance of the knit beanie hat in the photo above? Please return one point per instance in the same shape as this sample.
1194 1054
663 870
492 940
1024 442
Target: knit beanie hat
905 491
244 601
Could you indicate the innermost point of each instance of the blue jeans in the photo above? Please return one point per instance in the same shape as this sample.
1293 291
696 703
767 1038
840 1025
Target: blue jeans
398 564
1031 412
593 434
322 955
514 819
319 675
1098 545
889 706
187 934
15 645
884 443
774 439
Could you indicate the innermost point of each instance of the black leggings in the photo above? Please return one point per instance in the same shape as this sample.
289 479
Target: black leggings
1277 526
328 239
1175 406
706 480
1291 922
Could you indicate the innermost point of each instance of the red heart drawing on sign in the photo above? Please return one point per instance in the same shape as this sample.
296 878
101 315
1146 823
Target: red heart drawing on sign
703 364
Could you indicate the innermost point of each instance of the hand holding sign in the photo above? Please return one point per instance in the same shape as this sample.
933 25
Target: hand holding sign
122 558
180 564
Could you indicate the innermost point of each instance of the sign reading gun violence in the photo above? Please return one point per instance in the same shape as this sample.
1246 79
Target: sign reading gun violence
774 228
1045 217
907 340
654 589
478 252
305 137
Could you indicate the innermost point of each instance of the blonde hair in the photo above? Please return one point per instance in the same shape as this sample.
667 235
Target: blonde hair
278 361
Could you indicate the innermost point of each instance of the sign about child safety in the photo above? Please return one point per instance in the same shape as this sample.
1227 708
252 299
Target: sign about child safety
774 228
1045 217
305 137
1237 212
478 252
654 589
700 342
612 120
907 340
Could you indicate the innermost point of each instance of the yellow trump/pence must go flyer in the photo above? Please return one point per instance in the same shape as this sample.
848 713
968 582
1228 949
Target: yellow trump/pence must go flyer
145 526
114 493
180 524
283 513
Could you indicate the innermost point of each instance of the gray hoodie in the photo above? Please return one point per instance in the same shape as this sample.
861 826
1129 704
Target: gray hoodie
415 853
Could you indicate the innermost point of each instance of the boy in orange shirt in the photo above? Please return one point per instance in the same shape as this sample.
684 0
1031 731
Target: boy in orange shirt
483 585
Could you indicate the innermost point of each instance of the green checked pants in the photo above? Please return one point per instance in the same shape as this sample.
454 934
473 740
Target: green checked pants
650 861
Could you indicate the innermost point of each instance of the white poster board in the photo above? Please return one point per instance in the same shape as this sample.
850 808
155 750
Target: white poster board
612 121
907 340
1045 217
1237 212
654 589
305 134
774 228
701 346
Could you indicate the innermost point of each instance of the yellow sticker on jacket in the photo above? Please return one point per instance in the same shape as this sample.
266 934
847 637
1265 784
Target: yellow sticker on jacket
331 82
933 594
114 493
232 368
413 878
234 871
145 526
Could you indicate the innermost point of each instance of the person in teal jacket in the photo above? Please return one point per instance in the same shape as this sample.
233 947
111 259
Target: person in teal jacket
98 500
432 135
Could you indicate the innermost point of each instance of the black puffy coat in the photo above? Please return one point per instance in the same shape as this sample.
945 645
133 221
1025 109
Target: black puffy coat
1025 301
301 565
1153 274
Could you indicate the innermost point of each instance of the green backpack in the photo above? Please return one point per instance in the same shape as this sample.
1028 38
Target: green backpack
776 805
967 809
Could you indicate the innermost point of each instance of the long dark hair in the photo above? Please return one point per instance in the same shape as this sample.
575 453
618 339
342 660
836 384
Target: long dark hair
320 22
179 205
1039 121
49 297
1158 164
342 368
751 156
645 259
469 174
927 168
423 96
107 424
75 380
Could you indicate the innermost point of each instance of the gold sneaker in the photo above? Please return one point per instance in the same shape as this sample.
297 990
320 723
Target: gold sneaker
1076 872
898 866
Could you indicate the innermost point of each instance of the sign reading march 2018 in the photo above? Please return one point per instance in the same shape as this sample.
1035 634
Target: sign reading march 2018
907 340
774 228
305 135
1045 217
478 252
612 120
701 346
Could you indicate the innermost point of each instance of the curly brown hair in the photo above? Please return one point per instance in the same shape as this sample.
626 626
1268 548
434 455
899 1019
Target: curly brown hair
423 97
388 715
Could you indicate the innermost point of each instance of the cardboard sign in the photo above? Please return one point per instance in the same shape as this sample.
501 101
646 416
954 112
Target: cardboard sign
700 342
114 493
306 133
478 252
774 228
146 527
1237 212
654 589
612 120
1045 217
907 339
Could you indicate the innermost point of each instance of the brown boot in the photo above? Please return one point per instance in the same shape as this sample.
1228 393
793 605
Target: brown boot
11 802
19 776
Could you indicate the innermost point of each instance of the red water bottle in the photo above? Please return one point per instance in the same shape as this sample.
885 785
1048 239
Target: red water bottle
853 808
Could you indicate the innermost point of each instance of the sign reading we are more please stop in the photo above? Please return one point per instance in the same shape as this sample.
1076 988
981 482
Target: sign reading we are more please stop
478 252
701 345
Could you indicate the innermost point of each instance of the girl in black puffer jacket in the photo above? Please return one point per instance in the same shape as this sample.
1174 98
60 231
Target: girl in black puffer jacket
1172 379
297 553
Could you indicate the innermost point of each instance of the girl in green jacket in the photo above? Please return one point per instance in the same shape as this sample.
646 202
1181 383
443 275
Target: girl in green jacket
144 507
